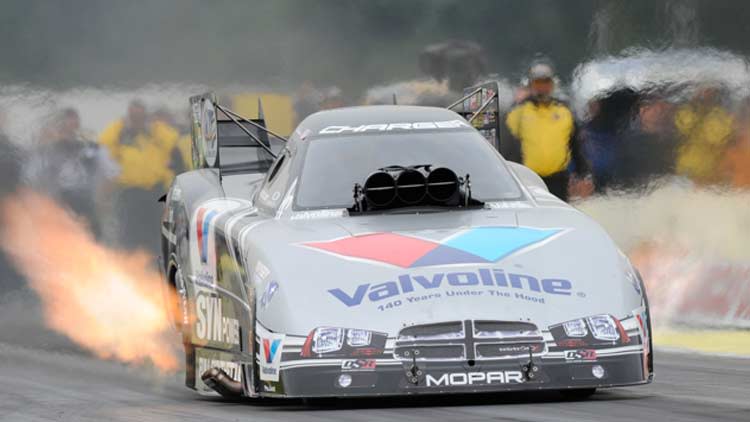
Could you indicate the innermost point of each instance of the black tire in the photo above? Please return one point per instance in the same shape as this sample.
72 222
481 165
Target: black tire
578 393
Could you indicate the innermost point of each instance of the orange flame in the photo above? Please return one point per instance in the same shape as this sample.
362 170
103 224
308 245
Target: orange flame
107 301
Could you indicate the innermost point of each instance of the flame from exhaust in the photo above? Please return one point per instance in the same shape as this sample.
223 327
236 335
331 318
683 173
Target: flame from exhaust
107 301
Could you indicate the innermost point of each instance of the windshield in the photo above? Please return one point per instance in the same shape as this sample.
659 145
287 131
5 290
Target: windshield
333 165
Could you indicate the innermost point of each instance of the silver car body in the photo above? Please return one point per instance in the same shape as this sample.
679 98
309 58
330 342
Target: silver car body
294 302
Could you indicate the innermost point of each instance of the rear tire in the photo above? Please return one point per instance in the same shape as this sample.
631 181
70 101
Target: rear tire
578 393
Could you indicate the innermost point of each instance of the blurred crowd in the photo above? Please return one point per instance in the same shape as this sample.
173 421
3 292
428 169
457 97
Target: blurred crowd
111 180
627 138
624 139
631 138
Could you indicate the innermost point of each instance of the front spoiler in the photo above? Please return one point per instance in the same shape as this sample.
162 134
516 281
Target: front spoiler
390 377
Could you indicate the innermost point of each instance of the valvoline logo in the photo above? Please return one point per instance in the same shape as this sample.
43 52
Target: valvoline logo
270 347
203 222
480 245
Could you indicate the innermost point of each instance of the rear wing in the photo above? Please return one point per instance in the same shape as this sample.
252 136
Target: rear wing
231 144
480 106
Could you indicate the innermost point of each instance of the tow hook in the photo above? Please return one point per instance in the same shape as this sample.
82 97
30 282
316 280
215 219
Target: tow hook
530 370
413 373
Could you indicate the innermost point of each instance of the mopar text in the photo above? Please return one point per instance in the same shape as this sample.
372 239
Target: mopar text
475 378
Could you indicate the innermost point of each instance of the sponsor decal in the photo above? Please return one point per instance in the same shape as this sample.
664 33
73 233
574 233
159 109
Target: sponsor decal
175 195
474 378
571 342
208 130
202 237
211 324
317 214
359 365
202 225
271 346
388 127
519 349
261 271
268 294
504 205
474 246
269 388
230 368
485 281
581 354
633 280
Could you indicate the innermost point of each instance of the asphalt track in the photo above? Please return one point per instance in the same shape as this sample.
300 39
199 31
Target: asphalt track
39 385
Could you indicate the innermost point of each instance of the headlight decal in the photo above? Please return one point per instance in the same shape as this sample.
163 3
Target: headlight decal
593 330
603 327
575 328
343 342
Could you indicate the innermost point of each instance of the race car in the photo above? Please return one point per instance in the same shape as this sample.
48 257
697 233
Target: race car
388 250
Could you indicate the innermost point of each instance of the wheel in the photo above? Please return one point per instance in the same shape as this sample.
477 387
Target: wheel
578 393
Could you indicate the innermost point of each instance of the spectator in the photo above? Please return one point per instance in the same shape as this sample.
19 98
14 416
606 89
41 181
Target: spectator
143 148
704 127
648 145
181 159
545 136
607 119
70 168
735 166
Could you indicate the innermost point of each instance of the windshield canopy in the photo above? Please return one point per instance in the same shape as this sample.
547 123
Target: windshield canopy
332 165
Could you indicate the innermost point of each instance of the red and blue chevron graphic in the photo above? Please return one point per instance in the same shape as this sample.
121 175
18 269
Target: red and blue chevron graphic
473 246
203 222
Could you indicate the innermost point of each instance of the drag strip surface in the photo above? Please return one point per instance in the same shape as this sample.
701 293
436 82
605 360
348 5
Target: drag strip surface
37 385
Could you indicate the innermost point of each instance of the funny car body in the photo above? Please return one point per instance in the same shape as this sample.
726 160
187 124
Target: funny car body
388 250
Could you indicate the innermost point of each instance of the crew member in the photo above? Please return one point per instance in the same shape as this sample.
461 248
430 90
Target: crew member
143 149
705 128
545 131
68 167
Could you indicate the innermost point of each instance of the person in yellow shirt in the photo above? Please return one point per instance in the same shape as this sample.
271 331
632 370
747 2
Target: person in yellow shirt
705 128
181 160
544 131
143 148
